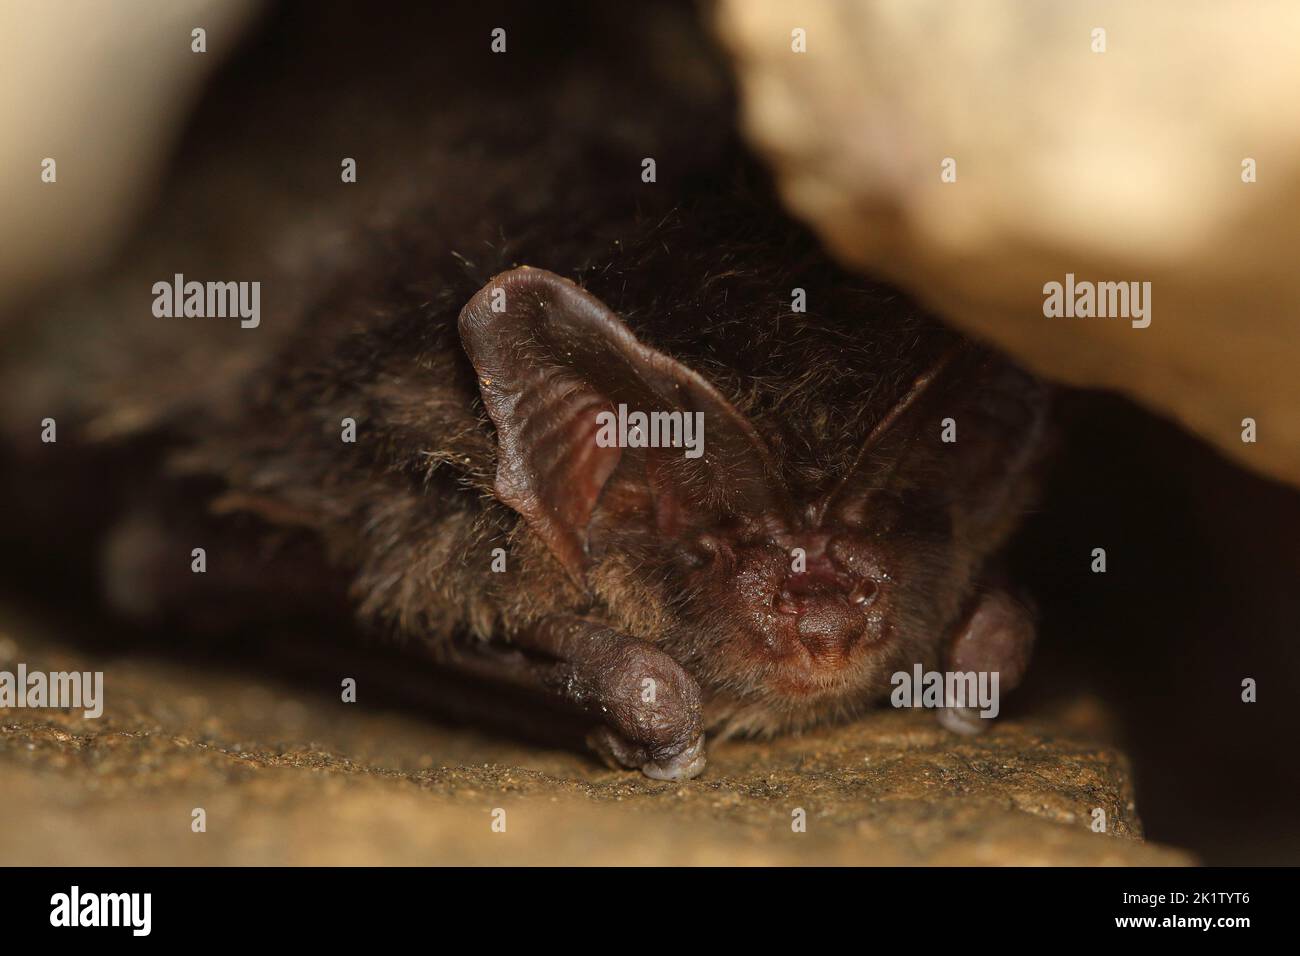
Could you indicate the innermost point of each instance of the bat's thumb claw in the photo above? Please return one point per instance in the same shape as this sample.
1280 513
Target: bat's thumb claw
963 720
687 764
621 753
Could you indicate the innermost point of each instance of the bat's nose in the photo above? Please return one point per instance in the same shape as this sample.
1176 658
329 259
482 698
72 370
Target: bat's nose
829 612
826 602
829 629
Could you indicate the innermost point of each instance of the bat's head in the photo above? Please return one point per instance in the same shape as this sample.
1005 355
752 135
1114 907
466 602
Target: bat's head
786 604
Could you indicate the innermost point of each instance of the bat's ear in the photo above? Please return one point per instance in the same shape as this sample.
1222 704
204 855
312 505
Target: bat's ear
554 364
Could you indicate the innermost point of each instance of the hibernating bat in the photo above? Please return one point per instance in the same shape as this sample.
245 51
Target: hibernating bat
493 306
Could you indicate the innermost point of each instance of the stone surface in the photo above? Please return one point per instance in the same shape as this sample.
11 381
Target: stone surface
287 774
1124 165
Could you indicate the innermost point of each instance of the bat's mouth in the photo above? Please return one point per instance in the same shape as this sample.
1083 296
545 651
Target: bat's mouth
805 677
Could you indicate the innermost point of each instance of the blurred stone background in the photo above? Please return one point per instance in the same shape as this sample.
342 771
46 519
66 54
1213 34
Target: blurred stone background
109 137
1122 165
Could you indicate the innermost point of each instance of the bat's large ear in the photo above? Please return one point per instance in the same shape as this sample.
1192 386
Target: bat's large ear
550 359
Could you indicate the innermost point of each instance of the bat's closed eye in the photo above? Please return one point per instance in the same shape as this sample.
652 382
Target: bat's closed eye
699 552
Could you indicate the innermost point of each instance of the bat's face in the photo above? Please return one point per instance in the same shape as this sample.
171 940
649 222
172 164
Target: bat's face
786 627
786 609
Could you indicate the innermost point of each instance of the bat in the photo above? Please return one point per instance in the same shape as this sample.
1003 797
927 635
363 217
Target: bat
646 450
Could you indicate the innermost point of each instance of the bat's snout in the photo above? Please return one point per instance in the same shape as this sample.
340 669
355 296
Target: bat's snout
828 609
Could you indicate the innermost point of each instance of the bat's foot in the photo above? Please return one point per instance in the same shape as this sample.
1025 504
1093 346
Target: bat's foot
620 753
996 637
650 711
647 705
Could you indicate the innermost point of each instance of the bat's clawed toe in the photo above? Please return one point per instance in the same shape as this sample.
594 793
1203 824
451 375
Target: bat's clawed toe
620 753
685 765
963 720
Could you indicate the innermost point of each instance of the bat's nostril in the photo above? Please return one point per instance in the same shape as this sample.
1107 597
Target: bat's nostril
787 602
864 593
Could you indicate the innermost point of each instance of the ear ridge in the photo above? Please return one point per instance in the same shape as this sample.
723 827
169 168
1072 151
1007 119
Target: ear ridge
579 456
549 358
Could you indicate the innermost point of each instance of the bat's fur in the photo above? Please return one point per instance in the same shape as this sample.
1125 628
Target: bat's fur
544 169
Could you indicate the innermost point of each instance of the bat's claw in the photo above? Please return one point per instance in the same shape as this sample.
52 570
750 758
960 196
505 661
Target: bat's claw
621 754
963 720
687 764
